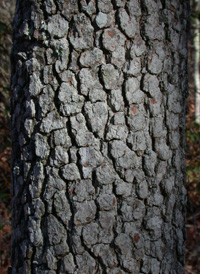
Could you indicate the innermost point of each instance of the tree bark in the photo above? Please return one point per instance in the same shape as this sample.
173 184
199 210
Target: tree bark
98 120
196 60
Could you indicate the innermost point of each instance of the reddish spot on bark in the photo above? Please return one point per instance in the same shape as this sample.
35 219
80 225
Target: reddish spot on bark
72 191
133 109
172 8
111 33
153 101
85 164
136 238
70 81
147 78
113 201
77 222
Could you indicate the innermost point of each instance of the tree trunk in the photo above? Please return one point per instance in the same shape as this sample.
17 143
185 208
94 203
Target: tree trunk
196 60
98 120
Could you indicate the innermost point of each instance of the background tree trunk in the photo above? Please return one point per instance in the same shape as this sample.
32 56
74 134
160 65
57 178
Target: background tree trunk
98 119
196 25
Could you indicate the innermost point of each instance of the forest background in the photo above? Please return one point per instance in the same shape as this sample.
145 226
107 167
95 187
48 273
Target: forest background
192 146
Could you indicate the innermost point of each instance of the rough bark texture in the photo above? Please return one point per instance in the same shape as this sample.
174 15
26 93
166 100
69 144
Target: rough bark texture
98 104
196 42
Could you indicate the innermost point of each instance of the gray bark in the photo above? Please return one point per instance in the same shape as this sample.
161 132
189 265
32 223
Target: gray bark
98 119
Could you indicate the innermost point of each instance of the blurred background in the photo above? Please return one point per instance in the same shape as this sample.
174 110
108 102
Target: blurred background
192 137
